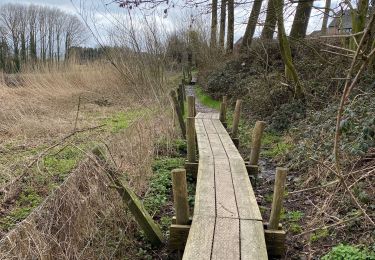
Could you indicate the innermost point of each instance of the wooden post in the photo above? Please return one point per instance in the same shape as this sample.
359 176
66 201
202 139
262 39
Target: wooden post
256 142
277 201
190 137
191 106
179 113
180 196
180 92
130 199
236 121
223 111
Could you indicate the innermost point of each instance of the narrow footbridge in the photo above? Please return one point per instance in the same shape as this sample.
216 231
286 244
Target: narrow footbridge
227 223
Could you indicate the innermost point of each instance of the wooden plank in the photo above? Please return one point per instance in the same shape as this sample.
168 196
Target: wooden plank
218 150
199 126
227 239
199 243
229 146
205 190
178 235
210 128
226 205
246 201
253 245
220 129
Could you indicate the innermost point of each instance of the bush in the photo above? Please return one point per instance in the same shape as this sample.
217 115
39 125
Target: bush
347 252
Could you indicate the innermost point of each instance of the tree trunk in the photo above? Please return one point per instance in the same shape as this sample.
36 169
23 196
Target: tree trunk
213 39
223 13
251 25
327 9
301 19
359 20
230 31
286 54
270 23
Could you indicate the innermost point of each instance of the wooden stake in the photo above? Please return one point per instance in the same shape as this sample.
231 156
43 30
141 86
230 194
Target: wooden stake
191 106
223 110
180 92
179 113
256 140
278 195
236 118
190 137
130 199
180 196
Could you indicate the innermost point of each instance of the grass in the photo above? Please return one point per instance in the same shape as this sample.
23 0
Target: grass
206 99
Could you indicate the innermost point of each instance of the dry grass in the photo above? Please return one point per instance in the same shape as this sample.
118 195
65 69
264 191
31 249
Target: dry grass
82 217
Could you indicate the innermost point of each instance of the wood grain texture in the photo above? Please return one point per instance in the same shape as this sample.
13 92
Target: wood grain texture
252 240
199 243
227 223
227 239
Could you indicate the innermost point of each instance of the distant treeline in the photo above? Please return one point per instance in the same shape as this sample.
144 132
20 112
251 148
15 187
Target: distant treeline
31 34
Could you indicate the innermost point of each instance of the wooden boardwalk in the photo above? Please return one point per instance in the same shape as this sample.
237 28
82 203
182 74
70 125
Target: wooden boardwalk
227 223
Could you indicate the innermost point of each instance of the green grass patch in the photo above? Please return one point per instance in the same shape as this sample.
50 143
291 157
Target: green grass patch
294 216
206 99
274 145
123 120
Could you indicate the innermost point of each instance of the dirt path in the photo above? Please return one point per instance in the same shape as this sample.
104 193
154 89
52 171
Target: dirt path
190 91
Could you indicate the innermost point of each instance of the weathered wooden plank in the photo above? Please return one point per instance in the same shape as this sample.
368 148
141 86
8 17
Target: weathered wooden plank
217 147
253 245
246 201
226 205
220 129
210 128
205 189
227 239
199 243
229 146
199 126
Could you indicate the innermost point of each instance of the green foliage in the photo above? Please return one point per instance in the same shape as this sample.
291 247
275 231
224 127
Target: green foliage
123 120
319 234
172 148
27 201
205 99
294 216
160 187
275 145
62 162
295 228
348 252
286 114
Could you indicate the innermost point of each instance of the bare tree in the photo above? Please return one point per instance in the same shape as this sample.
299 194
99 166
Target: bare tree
223 13
327 9
230 31
213 39
270 23
251 25
301 19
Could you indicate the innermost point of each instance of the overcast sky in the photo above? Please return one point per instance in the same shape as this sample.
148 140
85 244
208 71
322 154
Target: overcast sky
101 12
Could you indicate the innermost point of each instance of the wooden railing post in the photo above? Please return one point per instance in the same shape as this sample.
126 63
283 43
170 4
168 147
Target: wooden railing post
236 121
278 195
223 111
190 138
180 196
191 106
179 230
179 113
273 233
181 98
256 141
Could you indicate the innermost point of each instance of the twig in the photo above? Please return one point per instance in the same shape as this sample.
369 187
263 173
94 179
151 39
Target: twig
78 108
329 226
